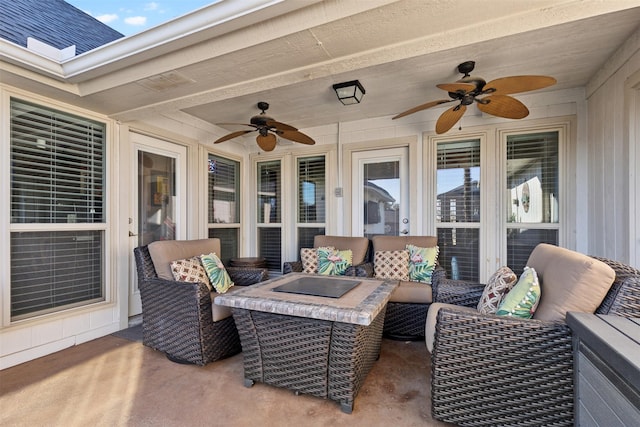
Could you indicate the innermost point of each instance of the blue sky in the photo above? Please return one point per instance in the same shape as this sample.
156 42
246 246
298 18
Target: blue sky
133 16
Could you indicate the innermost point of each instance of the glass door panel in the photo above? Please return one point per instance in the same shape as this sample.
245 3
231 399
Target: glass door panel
158 199
381 204
157 203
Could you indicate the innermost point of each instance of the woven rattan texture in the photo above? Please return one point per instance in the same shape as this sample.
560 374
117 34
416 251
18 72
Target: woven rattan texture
503 372
354 350
623 299
316 357
177 318
405 319
489 370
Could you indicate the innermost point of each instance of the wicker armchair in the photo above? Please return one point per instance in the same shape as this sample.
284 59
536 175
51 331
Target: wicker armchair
359 247
179 318
495 370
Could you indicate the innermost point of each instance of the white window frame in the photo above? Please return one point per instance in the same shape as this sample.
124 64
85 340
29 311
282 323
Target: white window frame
6 228
493 225
240 196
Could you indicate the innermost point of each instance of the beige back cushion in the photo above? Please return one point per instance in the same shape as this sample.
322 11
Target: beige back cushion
396 243
358 245
164 251
569 281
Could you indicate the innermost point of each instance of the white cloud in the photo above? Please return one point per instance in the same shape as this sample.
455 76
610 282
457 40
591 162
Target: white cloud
151 6
136 20
106 18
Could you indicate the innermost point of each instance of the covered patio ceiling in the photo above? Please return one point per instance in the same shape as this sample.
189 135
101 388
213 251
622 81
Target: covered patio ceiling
214 65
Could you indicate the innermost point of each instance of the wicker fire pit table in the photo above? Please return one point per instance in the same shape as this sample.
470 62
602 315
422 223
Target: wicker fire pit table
319 345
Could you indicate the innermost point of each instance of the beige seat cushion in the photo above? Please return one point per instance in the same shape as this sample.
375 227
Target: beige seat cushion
358 245
569 281
412 292
164 251
432 316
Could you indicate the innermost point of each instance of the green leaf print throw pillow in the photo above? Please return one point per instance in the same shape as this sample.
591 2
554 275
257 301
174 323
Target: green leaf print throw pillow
218 275
523 299
333 262
422 262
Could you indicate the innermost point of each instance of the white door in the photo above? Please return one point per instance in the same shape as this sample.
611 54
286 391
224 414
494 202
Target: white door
158 208
381 192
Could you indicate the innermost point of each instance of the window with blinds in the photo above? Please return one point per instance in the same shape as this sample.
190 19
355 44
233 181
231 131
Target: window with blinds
532 187
311 189
269 206
224 204
57 166
57 177
223 184
311 195
458 207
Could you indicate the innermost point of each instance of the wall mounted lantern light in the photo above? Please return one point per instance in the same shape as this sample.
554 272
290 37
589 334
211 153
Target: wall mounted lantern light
349 92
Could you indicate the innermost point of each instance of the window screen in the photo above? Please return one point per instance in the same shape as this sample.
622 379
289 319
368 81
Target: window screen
57 166
269 192
228 242
311 189
269 213
223 183
57 176
532 186
458 202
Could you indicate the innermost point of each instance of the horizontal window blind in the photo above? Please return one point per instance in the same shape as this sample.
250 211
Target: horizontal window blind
269 212
269 246
311 189
229 238
458 181
269 184
223 184
520 244
50 270
57 176
306 236
459 252
533 188
532 177
57 166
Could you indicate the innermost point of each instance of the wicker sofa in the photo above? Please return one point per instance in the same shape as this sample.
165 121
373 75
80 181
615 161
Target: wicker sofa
179 318
497 370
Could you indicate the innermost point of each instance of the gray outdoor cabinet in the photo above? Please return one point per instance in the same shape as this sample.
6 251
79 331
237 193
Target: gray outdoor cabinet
606 369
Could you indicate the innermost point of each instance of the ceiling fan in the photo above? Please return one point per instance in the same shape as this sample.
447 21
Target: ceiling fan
267 129
497 101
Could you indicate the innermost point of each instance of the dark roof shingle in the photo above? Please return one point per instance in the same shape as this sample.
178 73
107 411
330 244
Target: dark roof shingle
54 22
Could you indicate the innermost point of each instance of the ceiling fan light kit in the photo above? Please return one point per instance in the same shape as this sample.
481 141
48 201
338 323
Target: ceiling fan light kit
267 129
492 98
349 93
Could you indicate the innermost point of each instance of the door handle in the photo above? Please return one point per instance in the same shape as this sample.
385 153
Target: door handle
405 231
131 234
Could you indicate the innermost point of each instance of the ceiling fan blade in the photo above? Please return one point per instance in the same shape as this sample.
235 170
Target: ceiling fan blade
235 124
455 87
280 126
422 107
517 84
267 142
232 135
503 106
296 136
450 118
